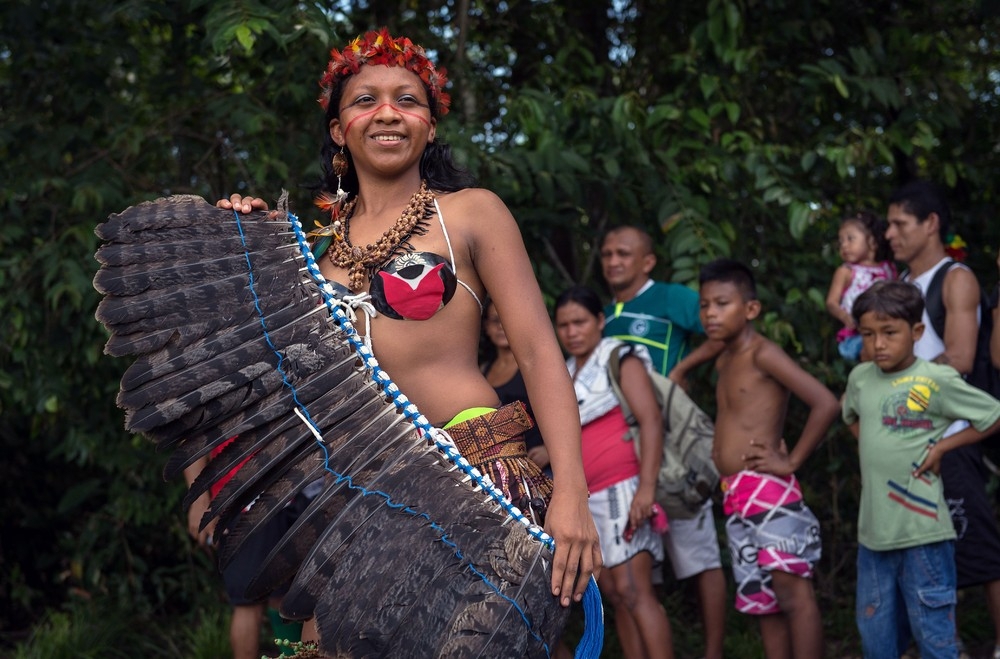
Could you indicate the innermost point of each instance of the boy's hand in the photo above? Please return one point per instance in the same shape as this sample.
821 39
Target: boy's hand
679 377
931 462
767 460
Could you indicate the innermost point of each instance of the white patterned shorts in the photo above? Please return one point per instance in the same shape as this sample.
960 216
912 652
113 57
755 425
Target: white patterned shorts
609 508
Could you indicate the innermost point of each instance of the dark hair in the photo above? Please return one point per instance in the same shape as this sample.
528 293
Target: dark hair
893 299
583 296
436 164
920 198
730 272
645 239
875 226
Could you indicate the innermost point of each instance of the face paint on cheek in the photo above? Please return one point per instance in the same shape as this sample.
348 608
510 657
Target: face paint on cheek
371 112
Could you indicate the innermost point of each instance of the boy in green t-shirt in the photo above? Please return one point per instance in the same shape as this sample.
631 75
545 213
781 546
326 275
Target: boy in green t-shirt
898 406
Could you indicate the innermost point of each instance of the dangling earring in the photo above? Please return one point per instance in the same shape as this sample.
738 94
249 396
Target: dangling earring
340 165
334 204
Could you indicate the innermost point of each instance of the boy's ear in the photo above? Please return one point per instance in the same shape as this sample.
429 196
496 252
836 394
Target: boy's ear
918 331
753 309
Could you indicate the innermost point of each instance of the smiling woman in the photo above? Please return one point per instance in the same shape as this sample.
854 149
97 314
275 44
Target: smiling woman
413 248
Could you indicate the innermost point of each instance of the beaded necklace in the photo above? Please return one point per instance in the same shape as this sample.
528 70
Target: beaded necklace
362 261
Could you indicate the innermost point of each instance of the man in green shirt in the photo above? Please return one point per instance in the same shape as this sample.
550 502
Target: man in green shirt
664 317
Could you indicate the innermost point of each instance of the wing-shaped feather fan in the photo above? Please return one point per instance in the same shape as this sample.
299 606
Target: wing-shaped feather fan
401 554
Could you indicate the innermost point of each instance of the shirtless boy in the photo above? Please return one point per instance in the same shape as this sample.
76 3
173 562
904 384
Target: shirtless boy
773 536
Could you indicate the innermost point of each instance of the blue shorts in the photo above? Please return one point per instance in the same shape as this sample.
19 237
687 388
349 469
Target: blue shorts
916 584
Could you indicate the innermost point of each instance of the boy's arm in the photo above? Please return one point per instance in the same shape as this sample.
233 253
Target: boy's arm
932 462
706 352
823 409
849 407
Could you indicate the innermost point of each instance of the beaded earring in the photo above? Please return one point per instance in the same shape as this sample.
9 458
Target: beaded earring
332 204
340 165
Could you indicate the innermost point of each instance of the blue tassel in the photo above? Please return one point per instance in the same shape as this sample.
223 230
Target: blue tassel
592 640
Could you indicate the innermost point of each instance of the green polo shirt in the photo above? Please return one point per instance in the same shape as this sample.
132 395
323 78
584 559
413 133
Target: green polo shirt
662 317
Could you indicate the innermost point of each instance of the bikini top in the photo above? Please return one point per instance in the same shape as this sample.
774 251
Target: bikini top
416 285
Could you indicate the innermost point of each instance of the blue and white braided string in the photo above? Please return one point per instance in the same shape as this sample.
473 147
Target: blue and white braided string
592 639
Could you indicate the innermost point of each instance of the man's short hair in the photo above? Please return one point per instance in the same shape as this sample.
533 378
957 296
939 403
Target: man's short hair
729 271
920 198
891 299
644 238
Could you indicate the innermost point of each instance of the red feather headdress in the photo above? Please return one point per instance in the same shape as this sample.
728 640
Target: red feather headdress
379 47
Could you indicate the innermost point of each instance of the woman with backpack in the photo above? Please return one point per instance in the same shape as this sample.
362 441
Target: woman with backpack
622 487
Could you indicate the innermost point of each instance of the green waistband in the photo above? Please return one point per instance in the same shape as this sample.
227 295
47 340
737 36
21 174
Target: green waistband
470 413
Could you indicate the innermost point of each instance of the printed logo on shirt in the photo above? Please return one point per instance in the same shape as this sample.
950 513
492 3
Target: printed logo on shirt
638 327
905 411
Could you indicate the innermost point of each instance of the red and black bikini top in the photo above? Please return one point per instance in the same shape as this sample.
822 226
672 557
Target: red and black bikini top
416 285
413 286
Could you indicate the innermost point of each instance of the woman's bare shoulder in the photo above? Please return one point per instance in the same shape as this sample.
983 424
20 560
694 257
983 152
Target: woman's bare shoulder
480 199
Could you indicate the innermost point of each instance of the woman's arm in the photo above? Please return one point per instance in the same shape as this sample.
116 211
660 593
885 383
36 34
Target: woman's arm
638 392
502 265
199 506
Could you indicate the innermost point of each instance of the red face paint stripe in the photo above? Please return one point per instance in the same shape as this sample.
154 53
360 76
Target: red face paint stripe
371 112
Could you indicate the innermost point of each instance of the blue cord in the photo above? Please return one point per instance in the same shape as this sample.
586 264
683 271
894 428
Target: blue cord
592 639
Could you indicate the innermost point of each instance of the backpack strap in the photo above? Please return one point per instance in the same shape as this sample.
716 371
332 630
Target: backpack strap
933 299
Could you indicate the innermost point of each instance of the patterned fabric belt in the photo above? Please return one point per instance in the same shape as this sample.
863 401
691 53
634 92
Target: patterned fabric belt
494 444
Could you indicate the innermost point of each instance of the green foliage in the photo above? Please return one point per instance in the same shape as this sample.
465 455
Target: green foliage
732 127
103 630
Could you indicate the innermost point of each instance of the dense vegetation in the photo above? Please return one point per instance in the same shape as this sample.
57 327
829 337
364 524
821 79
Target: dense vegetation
727 127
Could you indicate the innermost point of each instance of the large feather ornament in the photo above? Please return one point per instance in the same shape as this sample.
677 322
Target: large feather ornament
407 551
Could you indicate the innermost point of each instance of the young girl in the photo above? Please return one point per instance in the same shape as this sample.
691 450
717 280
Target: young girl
866 253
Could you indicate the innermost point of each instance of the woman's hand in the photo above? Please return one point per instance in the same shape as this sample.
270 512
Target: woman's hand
578 549
641 509
242 204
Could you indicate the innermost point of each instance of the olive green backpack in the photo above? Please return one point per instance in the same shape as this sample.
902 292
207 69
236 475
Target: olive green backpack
688 476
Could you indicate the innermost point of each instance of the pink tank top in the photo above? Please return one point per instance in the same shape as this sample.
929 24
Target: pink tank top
608 453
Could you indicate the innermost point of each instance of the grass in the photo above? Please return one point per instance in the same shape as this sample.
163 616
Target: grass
104 630
742 640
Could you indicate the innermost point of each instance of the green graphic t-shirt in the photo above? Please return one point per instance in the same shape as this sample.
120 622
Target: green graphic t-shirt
662 317
901 415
